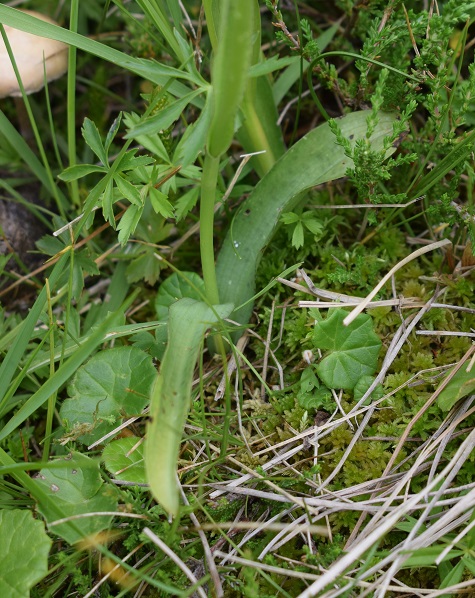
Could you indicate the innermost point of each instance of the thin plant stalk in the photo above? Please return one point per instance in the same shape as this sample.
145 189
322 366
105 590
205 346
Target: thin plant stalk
71 102
52 397
209 181
229 78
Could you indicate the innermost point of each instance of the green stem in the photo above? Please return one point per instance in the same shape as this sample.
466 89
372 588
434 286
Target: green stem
212 17
71 101
52 398
209 181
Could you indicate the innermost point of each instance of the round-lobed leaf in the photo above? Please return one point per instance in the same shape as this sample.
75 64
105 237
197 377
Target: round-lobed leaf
362 386
177 286
354 349
114 384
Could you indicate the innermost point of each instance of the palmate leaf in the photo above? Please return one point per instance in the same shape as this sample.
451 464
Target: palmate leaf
24 549
354 349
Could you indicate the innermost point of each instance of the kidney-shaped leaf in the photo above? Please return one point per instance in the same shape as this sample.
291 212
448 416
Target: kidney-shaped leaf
74 490
24 552
113 384
354 349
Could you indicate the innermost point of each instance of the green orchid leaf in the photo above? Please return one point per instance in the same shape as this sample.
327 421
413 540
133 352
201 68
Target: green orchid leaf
313 160
353 349
101 392
171 395
23 552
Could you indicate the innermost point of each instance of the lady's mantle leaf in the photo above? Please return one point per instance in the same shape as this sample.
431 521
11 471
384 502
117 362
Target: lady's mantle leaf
123 458
113 384
312 395
362 386
23 552
354 349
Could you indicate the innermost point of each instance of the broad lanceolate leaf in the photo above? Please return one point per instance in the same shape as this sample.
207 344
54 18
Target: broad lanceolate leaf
315 159
123 458
462 384
171 395
24 548
354 349
113 384
72 490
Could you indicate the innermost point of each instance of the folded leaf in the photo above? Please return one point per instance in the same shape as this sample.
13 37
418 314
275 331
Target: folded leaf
314 160
171 395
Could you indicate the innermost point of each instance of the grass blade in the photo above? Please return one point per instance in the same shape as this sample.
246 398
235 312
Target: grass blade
64 372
